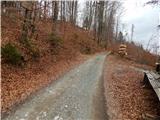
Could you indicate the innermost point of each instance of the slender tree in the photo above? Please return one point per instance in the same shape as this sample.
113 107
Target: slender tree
132 32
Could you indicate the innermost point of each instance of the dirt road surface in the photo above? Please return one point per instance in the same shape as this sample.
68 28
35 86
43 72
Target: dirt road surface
78 95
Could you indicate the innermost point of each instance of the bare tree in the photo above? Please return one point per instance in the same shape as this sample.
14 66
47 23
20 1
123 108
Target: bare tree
29 19
88 15
55 6
99 16
153 2
132 31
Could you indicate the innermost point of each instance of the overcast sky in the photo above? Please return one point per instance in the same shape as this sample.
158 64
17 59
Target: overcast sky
145 19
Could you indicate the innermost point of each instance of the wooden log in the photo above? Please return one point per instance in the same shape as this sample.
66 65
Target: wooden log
154 80
150 117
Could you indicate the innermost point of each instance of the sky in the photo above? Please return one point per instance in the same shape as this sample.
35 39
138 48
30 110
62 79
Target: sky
145 19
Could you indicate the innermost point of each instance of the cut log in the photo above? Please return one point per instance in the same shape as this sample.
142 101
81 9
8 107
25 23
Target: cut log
150 117
154 80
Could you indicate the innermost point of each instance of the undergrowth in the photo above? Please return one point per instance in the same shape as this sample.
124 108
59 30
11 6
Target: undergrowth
86 50
34 51
55 40
11 54
56 43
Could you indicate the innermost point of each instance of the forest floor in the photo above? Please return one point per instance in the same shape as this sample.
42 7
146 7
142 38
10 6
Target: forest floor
126 98
19 83
77 95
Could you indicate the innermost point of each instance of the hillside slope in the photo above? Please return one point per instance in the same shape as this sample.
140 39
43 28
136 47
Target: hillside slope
18 82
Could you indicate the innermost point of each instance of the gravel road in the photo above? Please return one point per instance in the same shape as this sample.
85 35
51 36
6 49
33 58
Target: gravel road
77 95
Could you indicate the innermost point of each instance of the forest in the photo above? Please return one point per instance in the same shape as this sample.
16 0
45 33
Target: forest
42 40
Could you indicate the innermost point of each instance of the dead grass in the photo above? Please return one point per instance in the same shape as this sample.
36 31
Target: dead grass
126 99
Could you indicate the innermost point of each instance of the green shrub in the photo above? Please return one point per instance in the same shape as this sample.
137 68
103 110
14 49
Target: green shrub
34 52
55 40
11 54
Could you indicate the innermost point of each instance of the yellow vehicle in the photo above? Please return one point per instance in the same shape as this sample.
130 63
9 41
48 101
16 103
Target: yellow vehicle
122 51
